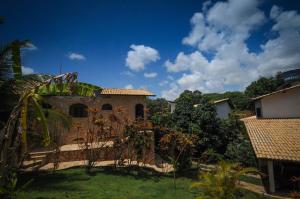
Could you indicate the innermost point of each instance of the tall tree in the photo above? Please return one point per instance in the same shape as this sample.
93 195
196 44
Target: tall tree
182 115
263 86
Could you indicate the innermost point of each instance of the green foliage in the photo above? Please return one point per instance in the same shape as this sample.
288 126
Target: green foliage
11 190
67 89
178 148
76 184
222 181
205 125
139 140
240 150
263 86
239 99
183 113
158 112
210 156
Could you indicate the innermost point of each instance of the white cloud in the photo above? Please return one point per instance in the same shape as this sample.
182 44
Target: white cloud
27 70
141 55
129 86
232 64
76 56
150 75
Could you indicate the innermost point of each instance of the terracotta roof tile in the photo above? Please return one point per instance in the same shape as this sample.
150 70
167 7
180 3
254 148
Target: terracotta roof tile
277 139
117 91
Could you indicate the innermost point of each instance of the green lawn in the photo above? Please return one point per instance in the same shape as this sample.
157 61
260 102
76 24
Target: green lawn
106 184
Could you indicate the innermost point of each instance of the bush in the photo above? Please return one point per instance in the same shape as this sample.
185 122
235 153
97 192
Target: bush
240 150
210 156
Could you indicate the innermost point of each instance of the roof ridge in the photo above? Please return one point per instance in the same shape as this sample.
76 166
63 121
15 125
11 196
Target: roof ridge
278 91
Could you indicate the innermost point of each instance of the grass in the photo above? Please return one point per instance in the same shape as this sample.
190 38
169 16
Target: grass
106 183
252 180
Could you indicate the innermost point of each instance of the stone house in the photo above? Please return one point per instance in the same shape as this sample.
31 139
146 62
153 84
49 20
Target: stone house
275 136
108 101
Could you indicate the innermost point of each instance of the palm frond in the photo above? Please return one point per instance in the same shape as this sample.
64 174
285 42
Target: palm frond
43 121
54 115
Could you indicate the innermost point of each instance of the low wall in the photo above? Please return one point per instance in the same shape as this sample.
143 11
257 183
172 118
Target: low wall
100 154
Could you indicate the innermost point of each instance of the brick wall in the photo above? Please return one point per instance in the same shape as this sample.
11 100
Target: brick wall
62 103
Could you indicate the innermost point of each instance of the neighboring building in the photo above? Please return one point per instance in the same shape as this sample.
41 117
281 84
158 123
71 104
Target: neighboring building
275 136
132 101
223 108
284 103
291 75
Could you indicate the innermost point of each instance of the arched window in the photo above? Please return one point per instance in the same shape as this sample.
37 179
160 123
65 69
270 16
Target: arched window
139 111
78 110
46 106
106 107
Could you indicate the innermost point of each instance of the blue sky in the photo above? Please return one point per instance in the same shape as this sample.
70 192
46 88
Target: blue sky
164 46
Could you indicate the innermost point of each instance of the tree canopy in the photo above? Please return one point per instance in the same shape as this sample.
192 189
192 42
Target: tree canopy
263 86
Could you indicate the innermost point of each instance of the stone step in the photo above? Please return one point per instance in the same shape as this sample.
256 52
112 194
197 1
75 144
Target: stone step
31 163
33 168
37 157
40 153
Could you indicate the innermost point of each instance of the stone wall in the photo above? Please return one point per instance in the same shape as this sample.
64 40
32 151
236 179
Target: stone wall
63 103
103 153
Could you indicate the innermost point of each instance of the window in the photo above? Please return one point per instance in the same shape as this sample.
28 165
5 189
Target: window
139 111
106 107
46 107
78 110
258 112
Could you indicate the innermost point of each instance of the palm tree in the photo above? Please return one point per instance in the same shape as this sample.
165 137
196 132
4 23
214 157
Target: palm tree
222 181
13 137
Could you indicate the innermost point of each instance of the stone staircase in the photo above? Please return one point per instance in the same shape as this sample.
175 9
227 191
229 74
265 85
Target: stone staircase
34 161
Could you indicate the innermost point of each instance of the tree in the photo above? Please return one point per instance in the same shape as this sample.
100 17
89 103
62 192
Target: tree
263 86
158 112
10 59
222 181
178 148
182 115
205 125
13 137
239 99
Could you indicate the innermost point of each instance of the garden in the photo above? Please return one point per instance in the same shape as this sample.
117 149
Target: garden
188 136
109 183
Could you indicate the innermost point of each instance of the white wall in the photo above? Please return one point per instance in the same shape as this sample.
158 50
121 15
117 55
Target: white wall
282 105
223 110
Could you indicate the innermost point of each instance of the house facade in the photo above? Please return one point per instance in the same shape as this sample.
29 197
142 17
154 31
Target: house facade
275 136
131 102
280 104
223 108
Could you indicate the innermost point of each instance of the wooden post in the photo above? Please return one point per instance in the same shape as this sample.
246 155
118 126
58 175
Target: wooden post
271 176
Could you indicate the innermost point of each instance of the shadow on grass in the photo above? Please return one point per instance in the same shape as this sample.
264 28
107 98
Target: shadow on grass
57 180
50 180
133 171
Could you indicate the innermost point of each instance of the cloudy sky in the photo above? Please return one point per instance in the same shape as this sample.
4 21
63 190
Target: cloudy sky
163 46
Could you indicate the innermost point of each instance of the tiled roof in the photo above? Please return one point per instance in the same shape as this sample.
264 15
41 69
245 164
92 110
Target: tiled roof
117 91
279 91
277 139
224 100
